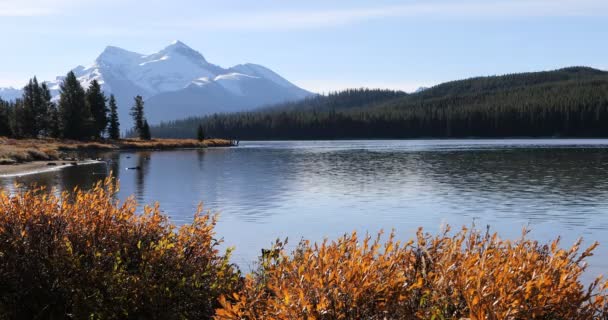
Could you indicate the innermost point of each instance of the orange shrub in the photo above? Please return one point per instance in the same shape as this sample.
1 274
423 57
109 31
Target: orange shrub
466 275
85 256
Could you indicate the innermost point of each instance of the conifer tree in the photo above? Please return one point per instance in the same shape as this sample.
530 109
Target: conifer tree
48 118
74 114
19 119
96 103
137 112
27 113
200 133
145 131
54 122
114 127
5 124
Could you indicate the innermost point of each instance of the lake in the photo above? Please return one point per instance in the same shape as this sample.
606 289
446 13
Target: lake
317 189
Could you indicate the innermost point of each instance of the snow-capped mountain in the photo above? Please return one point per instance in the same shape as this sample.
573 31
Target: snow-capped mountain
178 82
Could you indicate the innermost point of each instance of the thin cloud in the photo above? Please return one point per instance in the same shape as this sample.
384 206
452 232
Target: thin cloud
36 8
9 10
306 19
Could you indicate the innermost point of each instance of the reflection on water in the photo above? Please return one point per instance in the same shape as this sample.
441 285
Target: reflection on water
266 190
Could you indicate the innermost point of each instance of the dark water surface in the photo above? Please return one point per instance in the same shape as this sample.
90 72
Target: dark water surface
318 189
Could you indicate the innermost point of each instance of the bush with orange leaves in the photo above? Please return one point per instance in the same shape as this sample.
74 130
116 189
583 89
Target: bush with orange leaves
469 275
85 256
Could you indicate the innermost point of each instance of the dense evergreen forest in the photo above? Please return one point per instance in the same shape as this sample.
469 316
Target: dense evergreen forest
570 102
81 114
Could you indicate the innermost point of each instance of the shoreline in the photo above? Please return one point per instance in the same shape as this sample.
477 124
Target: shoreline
20 157
37 167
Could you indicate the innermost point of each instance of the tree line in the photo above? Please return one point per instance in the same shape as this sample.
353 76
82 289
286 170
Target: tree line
79 113
571 102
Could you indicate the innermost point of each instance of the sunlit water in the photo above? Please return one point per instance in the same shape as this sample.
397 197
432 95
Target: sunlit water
317 189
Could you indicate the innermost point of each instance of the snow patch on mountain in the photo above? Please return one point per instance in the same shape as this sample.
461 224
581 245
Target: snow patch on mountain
261 72
232 82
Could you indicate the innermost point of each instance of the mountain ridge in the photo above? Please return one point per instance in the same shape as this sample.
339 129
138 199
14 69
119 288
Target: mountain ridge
182 73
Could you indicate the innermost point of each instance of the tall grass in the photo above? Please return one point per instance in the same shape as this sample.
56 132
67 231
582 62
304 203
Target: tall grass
27 150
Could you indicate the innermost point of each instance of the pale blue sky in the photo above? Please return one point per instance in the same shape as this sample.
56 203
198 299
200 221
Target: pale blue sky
319 45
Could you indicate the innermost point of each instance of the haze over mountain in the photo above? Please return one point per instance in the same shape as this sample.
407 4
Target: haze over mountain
178 82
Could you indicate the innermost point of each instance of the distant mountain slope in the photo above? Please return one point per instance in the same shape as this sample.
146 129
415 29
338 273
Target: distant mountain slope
178 82
508 82
566 102
341 101
10 93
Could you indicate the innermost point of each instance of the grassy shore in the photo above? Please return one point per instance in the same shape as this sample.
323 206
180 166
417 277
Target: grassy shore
16 151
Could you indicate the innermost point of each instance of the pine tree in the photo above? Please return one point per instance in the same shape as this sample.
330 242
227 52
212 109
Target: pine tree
200 133
40 107
48 117
114 128
18 119
137 112
96 102
74 114
54 122
5 123
145 131
27 113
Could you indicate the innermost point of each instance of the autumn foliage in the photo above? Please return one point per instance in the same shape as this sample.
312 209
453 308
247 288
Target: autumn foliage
466 275
85 256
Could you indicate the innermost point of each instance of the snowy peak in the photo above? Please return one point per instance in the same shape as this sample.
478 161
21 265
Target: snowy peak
112 56
175 67
177 81
179 48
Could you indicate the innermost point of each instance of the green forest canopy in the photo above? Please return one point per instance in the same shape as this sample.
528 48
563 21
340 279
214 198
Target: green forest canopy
570 102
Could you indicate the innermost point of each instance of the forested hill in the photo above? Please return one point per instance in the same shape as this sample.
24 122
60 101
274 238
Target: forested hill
570 102
510 81
318 104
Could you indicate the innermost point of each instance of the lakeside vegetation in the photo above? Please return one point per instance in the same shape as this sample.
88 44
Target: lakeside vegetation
84 255
14 151
79 114
35 128
570 102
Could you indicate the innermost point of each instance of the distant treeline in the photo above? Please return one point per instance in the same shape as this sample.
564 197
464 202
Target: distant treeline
80 113
571 102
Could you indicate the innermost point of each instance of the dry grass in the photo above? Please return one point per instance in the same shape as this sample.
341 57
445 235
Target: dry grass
25 150
467 275
12 150
171 143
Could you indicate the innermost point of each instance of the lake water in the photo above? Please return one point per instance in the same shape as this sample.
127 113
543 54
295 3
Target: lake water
317 189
